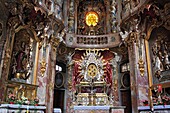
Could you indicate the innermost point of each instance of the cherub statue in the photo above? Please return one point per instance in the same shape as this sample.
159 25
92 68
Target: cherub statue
69 58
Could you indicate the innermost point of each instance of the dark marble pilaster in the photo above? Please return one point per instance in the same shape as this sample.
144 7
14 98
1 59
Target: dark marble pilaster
133 79
139 81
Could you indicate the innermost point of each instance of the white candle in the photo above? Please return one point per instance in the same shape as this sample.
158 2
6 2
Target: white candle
27 109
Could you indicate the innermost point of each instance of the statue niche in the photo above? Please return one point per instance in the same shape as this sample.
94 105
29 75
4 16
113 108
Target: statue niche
23 56
160 55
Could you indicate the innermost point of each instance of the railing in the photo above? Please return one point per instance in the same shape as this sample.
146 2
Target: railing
97 41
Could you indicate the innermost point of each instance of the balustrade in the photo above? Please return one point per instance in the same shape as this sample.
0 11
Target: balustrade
87 41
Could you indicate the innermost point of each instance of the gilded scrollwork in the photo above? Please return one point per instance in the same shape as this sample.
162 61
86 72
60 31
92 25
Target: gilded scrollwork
133 38
141 66
43 66
7 57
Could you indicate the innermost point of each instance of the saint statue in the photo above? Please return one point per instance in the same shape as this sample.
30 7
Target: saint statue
21 59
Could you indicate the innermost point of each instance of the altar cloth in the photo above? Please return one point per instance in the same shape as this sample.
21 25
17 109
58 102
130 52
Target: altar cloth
99 109
57 110
158 107
17 108
91 107
21 106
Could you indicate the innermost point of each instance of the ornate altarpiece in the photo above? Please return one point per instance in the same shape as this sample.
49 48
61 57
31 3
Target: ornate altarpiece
23 64
93 78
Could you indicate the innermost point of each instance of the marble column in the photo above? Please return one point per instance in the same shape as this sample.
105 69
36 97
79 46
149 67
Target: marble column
51 79
45 81
139 83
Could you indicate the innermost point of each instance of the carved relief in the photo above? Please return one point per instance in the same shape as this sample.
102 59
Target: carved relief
71 18
125 6
167 16
133 38
113 14
160 55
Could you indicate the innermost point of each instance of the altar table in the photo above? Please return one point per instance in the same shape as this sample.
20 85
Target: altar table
57 110
157 109
16 108
99 109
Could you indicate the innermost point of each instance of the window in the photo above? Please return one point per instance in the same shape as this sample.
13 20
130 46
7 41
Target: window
125 67
58 68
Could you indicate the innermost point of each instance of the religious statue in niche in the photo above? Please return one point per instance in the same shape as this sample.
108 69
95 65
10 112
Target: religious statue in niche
126 6
57 9
22 57
71 19
113 12
160 58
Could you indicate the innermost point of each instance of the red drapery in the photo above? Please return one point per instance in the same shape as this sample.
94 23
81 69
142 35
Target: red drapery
75 78
108 74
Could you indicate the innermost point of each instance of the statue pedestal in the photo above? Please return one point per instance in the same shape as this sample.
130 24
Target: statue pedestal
98 109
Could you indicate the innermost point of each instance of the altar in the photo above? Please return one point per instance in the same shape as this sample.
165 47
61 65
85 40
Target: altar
99 109
16 108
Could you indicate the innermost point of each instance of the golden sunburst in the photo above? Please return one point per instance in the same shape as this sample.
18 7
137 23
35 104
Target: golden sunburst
92 18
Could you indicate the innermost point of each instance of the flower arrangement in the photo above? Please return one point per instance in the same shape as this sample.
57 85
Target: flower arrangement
23 100
160 97
161 100
157 101
35 102
166 99
145 103
11 98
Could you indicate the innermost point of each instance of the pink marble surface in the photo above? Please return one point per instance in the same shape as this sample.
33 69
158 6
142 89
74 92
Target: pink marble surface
143 85
41 91
45 90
